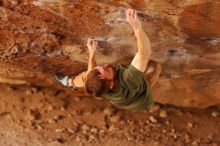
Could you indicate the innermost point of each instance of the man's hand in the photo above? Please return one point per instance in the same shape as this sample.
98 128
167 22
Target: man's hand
133 20
92 45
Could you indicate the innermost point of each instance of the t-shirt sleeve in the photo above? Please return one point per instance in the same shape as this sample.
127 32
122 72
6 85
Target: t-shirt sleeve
79 80
132 77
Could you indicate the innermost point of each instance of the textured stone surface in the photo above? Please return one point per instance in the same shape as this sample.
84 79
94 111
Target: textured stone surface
40 38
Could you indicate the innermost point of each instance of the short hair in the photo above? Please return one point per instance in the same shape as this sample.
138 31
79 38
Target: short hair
94 85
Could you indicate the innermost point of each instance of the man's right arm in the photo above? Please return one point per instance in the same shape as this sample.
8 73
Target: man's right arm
142 57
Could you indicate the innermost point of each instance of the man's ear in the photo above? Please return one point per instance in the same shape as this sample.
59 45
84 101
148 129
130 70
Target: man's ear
111 84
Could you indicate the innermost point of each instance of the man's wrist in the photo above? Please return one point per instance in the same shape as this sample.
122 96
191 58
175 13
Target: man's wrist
138 30
92 54
70 82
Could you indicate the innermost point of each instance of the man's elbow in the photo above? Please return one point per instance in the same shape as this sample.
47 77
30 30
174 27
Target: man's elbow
147 53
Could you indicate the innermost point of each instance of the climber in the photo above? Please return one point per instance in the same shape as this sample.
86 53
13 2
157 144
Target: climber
127 87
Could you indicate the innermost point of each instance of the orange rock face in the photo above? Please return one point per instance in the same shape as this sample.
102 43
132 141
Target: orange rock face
201 20
41 38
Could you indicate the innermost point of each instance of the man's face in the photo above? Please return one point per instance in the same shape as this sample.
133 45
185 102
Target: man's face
107 72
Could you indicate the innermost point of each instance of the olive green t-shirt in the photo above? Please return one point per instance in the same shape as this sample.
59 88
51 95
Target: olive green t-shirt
132 90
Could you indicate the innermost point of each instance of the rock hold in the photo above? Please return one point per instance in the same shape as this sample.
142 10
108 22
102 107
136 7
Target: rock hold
196 142
28 92
74 129
78 139
59 117
115 119
112 128
163 113
109 111
101 132
39 127
187 138
33 114
60 130
50 108
10 89
51 121
215 114
190 125
155 108
94 130
34 90
92 138
63 109
85 128
153 119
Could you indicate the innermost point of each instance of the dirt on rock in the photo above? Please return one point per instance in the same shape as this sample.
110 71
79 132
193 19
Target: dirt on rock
37 116
40 38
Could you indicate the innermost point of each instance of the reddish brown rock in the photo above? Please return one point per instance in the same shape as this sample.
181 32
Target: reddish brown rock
41 38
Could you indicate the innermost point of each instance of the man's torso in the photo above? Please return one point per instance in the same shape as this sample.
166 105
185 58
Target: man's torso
132 90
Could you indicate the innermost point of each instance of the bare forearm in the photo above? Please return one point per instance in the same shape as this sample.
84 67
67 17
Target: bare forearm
92 45
141 58
91 63
143 42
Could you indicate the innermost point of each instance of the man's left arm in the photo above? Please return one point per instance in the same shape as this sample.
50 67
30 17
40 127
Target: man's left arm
79 81
92 45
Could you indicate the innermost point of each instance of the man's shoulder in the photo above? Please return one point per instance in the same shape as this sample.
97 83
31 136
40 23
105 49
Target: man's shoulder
121 66
79 80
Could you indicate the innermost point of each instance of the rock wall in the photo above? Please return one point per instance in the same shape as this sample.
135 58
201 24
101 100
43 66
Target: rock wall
39 38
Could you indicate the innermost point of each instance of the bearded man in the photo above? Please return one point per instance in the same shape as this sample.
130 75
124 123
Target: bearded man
125 86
